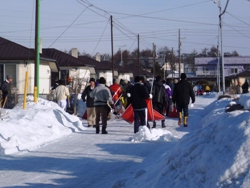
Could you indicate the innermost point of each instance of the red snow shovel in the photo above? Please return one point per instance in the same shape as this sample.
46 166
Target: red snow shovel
173 113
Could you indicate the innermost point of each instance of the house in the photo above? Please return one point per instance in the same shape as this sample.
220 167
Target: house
239 79
16 59
206 67
82 68
104 69
70 67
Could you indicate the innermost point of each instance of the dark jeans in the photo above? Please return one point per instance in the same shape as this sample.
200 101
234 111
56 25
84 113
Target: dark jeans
168 106
101 111
182 107
159 108
139 119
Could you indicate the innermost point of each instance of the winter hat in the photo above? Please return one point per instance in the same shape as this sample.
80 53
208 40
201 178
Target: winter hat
158 78
183 76
138 78
9 77
102 80
92 80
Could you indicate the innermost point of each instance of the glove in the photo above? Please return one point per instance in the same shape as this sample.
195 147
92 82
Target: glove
150 96
128 94
192 105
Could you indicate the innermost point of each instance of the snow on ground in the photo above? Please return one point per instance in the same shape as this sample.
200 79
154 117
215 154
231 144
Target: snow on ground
40 123
47 147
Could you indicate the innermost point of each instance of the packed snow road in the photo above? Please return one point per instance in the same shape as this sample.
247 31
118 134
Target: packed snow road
82 159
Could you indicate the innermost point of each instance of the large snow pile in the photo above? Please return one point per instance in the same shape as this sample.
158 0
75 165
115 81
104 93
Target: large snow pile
245 101
216 155
40 123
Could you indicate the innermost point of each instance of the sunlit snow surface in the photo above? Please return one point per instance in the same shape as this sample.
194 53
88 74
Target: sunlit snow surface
44 146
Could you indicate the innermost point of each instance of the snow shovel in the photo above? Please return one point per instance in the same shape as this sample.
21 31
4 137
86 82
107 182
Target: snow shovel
112 115
5 100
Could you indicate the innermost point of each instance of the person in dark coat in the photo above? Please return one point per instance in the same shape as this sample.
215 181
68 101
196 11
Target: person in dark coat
89 102
146 83
6 91
245 87
159 99
181 96
168 96
137 96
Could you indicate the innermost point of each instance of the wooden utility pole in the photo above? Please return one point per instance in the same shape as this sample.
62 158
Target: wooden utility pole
172 63
138 54
112 48
179 54
154 47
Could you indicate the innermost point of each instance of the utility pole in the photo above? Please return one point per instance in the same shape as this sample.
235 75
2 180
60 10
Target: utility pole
138 54
222 52
172 63
221 39
121 54
112 47
179 54
154 47
37 47
218 66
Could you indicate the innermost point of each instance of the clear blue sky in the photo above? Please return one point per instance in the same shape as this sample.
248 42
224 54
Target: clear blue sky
68 23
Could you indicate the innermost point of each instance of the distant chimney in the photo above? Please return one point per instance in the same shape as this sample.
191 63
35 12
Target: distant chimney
74 52
98 57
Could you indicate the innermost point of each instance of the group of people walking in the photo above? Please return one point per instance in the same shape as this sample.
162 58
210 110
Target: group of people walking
100 99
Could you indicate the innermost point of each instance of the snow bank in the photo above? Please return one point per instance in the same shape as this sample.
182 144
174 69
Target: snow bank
245 101
216 155
145 134
40 123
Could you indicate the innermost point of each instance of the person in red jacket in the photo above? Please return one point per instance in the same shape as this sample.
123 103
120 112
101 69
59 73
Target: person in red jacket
116 92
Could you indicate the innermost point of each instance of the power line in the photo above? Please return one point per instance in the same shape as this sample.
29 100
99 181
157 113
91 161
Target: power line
237 18
100 37
68 26
237 30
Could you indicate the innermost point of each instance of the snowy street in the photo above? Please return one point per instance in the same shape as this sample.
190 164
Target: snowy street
160 158
82 159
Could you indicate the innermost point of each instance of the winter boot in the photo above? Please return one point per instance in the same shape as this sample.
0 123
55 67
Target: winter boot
148 126
185 121
104 130
180 118
163 124
97 129
154 124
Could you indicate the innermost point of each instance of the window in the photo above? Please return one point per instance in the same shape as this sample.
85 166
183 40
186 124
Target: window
205 70
234 71
8 69
11 70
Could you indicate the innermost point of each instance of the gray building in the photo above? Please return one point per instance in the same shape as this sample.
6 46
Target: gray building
207 66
